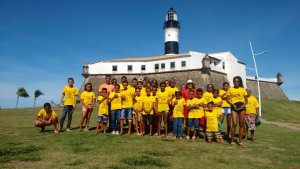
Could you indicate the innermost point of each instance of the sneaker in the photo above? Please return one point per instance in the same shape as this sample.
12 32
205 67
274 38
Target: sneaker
117 132
180 138
68 130
43 129
113 132
194 138
187 138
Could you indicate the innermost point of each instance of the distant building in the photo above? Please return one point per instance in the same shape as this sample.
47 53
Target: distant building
203 68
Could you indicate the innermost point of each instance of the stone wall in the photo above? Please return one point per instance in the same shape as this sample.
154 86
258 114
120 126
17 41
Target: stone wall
268 90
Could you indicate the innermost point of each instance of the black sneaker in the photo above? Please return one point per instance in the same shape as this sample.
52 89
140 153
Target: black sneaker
43 129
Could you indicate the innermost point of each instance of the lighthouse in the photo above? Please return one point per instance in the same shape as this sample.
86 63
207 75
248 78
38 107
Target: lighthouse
171 30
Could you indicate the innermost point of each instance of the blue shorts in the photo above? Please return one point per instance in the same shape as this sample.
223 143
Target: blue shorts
193 123
102 118
226 110
126 113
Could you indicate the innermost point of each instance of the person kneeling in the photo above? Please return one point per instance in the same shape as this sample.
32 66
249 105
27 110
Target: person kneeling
47 117
212 131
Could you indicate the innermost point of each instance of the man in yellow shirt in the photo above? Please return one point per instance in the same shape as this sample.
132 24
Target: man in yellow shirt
251 115
47 117
127 104
70 94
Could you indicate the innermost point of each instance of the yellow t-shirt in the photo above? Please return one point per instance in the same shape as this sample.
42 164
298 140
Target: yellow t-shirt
103 107
116 103
252 105
178 108
236 94
211 121
127 103
138 104
162 98
217 109
45 116
148 103
194 113
143 91
221 93
208 96
201 109
171 91
122 88
70 95
87 97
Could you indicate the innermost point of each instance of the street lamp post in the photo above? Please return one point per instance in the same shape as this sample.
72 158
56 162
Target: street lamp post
257 78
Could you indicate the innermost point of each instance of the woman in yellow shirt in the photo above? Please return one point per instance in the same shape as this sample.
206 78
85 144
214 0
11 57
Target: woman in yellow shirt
162 98
237 98
47 117
88 100
251 115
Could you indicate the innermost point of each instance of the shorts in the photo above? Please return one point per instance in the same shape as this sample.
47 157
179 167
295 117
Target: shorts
211 134
162 112
194 122
149 118
203 123
126 113
102 118
238 109
250 120
226 110
90 108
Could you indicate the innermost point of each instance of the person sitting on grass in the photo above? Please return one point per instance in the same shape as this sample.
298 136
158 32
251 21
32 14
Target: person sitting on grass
212 131
103 111
47 117
251 115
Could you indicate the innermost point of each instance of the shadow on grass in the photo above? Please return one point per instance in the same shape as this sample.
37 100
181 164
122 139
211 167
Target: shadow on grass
158 153
144 160
75 163
28 153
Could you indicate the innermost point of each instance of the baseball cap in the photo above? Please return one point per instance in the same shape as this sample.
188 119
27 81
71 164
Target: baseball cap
189 81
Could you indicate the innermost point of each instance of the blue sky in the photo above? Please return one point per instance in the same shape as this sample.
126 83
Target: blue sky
42 43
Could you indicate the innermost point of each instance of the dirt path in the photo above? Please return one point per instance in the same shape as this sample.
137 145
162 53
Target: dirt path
291 126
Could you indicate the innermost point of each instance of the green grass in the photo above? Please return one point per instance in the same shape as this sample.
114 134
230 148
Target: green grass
281 110
23 146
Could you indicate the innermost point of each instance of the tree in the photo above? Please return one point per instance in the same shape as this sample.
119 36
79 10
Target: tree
21 92
37 94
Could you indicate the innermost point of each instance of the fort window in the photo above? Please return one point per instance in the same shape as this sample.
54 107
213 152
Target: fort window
129 67
162 66
215 63
114 68
183 63
156 66
143 67
172 65
223 65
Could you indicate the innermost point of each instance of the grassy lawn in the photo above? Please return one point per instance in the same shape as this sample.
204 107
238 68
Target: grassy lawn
281 111
23 146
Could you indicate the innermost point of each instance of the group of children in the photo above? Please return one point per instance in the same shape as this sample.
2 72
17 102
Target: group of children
143 106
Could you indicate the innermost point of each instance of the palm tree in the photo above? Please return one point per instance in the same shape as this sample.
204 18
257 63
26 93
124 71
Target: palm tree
21 92
37 94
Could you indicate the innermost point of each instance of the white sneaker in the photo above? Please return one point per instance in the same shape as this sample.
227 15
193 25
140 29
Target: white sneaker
68 130
194 138
117 132
187 138
113 132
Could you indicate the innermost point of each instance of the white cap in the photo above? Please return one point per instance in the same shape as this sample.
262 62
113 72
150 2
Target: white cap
189 81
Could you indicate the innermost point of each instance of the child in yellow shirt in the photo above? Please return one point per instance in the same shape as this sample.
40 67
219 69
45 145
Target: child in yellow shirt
127 105
202 106
251 115
212 131
137 111
226 110
47 117
103 110
88 100
162 97
178 103
148 107
217 100
194 114
115 99
208 95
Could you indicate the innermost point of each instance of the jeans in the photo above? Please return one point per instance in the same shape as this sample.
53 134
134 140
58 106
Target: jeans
68 109
115 119
177 127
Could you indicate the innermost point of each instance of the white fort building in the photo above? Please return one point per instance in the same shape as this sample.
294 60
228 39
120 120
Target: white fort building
203 68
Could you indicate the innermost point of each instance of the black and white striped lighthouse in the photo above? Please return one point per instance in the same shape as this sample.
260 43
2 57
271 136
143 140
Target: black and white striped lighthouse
171 30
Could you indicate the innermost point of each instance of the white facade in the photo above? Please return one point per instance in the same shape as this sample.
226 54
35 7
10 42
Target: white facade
223 62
